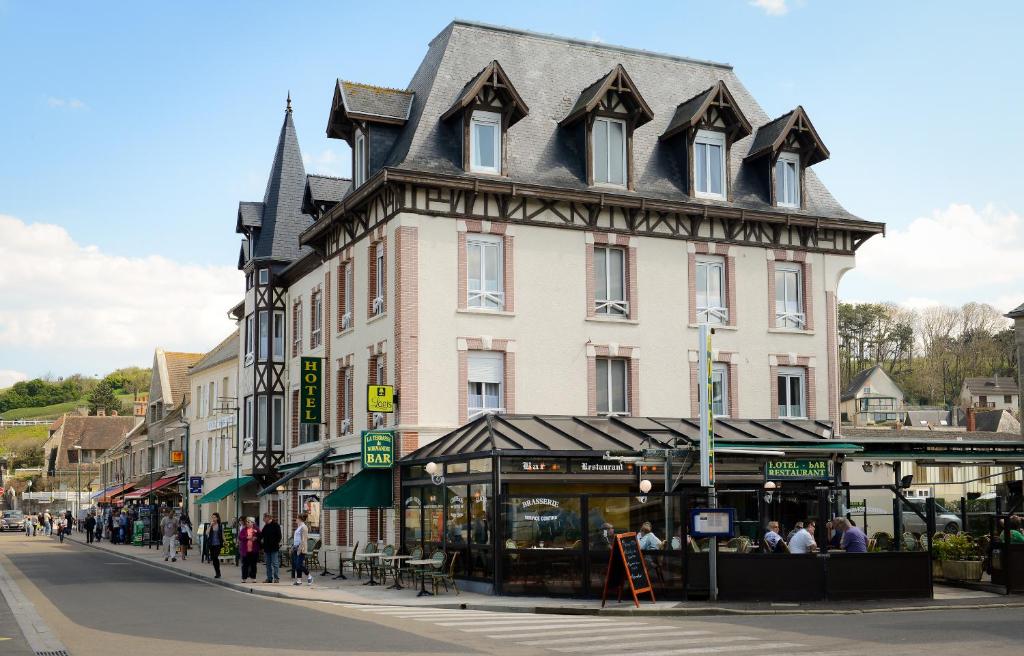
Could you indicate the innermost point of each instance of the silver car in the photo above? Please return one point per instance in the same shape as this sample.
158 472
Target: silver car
945 521
12 520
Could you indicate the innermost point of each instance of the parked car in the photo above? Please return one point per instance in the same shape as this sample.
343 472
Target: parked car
945 520
12 520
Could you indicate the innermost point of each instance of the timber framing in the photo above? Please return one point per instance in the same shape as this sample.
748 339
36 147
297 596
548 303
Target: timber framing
392 191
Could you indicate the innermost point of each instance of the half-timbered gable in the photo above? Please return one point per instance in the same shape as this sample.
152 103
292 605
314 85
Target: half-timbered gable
787 146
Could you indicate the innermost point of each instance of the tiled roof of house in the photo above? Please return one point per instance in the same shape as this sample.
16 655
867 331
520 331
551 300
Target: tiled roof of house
857 383
327 189
226 351
95 432
1016 312
370 100
991 385
177 372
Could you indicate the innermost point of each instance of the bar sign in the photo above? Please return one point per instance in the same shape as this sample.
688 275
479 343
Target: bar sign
310 391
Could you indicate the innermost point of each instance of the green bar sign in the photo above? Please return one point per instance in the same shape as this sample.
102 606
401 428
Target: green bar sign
378 449
309 391
797 470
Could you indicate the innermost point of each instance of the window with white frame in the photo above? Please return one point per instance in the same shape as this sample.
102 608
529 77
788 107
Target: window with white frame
610 281
316 315
309 433
608 144
346 317
250 337
278 336
247 418
792 392
485 142
215 451
277 433
359 159
612 386
212 402
261 421
264 276
297 327
787 180
378 282
484 284
346 401
720 389
789 302
199 402
264 335
709 164
711 296
208 456
485 377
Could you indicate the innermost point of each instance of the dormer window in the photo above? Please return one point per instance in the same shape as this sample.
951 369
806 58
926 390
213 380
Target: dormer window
709 164
359 108
359 159
608 144
611 109
489 105
787 180
485 142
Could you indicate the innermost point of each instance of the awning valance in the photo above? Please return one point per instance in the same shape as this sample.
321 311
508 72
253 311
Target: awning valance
158 485
370 488
292 472
112 495
225 489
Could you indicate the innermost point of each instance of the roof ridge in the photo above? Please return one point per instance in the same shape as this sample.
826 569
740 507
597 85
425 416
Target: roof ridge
584 42
331 177
374 87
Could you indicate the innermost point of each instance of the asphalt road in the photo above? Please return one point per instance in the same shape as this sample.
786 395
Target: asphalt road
101 604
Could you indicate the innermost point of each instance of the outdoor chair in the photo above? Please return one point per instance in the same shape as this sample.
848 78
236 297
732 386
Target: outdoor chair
350 562
383 567
416 553
313 560
883 541
364 564
745 544
440 574
910 543
694 547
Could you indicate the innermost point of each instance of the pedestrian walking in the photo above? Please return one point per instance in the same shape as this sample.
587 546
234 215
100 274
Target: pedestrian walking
90 527
47 522
299 547
270 542
214 539
60 528
122 528
169 530
69 522
184 534
98 528
249 548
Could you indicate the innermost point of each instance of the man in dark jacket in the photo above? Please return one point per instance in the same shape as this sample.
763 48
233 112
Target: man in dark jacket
90 527
270 542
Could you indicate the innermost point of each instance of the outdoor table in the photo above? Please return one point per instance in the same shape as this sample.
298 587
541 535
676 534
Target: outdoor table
423 579
396 585
367 557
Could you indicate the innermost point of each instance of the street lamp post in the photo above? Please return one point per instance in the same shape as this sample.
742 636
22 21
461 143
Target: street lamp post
78 486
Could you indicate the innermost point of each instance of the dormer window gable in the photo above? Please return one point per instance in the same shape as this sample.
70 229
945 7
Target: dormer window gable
789 145
488 106
611 109
355 111
707 125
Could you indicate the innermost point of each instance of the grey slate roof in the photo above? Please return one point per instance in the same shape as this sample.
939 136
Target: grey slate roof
551 74
282 219
250 214
991 385
686 110
1016 312
224 352
766 135
327 189
375 101
857 382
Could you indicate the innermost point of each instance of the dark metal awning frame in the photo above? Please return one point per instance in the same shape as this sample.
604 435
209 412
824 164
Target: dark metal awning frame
320 457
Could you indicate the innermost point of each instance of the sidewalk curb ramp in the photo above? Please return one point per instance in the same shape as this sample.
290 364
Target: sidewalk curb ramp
689 611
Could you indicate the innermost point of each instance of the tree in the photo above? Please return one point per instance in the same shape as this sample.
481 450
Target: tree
104 398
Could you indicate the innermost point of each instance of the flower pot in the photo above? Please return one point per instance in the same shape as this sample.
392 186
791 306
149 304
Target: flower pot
962 570
937 570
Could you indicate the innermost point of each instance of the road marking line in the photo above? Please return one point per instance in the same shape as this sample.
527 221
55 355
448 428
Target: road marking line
515 629
666 641
715 650
477 622
590 636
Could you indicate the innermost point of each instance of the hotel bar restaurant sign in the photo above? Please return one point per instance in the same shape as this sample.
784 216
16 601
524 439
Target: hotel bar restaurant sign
309 390
378 449
797 470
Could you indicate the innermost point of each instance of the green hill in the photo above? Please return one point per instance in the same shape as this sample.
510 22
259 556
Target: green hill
25 443
57 409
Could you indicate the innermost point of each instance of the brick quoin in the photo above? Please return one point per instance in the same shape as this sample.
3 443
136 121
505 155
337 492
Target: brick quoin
325 331
341 525
295 418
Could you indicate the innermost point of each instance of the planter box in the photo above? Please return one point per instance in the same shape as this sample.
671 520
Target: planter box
937 570
961 570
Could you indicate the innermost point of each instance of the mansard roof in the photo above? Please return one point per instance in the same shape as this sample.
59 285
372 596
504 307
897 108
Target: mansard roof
556 76
492 75
772 136
354 101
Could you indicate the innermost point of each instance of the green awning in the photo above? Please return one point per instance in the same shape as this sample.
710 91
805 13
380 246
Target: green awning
225 489
370 488
292 472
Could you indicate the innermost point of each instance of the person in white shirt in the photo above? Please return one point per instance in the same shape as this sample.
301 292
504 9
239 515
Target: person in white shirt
647 539
773 539
299 546
802 541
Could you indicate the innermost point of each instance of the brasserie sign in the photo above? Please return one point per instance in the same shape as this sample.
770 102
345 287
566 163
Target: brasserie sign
797 470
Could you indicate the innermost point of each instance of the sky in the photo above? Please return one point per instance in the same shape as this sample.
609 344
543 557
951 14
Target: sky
130 131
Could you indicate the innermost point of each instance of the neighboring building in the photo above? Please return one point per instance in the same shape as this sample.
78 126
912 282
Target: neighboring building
994 392
872 397
1017 314
211 414
546 244
77 442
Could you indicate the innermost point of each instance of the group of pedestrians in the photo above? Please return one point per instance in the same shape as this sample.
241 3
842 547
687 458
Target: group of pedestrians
251 540
43 523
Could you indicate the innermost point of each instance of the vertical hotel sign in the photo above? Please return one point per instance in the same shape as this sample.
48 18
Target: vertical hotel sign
707 428
310 390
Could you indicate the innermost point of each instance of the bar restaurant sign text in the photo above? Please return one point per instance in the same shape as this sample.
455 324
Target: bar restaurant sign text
310 390
797 470
378 449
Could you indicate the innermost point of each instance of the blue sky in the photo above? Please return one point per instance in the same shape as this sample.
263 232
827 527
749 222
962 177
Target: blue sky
137 127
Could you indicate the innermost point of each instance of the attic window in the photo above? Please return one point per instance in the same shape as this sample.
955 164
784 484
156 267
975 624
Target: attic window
359 159
485 142
709 164
787 180
609 147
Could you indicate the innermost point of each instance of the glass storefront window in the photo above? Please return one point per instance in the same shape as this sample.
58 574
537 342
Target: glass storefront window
480 466
433 518
480 520
457 467
456 530
543 522
413 509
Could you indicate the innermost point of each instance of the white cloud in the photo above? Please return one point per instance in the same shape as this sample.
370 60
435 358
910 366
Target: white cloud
771 7
326 163
9 376
955 255
68 307
69 103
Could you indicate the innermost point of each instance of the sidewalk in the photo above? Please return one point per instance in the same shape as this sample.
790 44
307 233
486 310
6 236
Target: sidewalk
352 591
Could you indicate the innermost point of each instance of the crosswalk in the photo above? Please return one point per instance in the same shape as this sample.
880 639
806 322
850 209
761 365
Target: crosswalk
597 635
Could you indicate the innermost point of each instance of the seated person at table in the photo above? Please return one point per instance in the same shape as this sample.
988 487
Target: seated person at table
604 538
835 536
773 539
796 529
1016 534
854 540
647 539
802 540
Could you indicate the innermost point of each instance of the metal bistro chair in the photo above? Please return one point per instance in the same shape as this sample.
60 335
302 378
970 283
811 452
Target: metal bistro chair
350 562
416 553
910 543
365 563
313 559
883 541
381 566
440 575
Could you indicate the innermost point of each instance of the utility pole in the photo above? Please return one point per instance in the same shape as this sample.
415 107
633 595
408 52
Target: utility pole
78 486
707 445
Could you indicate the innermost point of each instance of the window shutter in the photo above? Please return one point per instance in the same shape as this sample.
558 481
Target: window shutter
486 367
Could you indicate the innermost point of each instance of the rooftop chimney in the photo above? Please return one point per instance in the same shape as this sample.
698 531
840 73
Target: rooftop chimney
972 424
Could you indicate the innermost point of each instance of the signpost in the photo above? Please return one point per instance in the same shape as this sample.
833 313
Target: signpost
705 358
310 390
378 449
626 565
195 484
380 398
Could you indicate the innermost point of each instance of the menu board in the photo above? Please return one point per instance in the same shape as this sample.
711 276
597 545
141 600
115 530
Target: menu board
626 565
230 545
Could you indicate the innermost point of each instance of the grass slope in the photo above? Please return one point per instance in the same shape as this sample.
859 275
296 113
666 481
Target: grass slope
56 410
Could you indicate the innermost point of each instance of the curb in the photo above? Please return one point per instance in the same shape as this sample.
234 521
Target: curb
696 611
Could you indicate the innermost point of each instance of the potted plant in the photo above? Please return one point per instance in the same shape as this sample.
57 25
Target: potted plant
960 557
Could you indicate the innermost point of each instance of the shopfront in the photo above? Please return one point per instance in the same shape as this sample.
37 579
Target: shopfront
529 503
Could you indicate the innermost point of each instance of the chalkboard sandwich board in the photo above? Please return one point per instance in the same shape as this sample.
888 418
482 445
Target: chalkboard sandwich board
626 565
